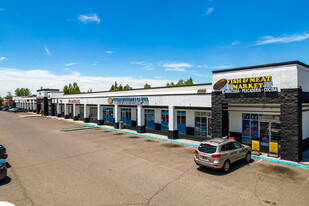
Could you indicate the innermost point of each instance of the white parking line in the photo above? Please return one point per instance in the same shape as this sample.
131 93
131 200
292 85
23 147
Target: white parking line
257 161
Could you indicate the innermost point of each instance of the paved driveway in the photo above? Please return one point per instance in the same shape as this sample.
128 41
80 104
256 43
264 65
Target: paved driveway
103 167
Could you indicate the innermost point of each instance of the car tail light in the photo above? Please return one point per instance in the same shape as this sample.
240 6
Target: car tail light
216 155
196 152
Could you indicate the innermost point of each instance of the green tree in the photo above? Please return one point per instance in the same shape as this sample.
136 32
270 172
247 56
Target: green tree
189 81
146 86
127 87
1 101
181 82
9 98
22 92
115 87
71 88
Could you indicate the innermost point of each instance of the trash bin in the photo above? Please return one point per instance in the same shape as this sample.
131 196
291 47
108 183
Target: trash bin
121 125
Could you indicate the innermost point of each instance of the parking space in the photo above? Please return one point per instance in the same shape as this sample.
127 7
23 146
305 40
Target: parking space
104 167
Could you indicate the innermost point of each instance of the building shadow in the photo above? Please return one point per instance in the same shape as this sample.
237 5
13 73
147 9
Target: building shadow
218 172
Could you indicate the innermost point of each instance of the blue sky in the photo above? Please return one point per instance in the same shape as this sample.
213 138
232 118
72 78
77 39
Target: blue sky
52 43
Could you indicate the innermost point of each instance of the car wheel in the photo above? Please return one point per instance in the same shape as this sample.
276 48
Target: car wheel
248 157
226 166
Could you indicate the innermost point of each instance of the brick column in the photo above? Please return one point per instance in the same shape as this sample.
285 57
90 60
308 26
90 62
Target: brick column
291 124
219 119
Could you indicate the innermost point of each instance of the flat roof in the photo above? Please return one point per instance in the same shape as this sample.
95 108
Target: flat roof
52 90
261 66
148 88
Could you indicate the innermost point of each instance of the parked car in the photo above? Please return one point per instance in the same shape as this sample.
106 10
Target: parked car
17 110
12 109
3 154
3 169
220 153
6 108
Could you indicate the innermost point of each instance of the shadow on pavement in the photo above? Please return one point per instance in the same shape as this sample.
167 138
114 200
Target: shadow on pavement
5 181
235 166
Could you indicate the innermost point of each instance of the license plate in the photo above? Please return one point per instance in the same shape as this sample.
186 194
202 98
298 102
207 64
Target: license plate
203 157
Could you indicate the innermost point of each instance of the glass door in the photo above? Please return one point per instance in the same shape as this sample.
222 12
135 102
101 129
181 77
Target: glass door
200 124
126 116
164 120
181 122
81 112
264 133
149 119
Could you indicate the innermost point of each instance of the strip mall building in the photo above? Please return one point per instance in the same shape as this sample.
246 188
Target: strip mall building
268 103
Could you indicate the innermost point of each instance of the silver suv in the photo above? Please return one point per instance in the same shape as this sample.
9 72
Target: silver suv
220 153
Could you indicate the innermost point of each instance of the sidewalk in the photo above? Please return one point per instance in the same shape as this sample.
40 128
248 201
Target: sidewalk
193 143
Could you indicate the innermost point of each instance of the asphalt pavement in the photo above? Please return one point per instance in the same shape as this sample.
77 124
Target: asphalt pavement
104 167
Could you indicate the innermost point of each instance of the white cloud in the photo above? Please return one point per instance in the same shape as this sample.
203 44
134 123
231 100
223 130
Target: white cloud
71 64
235 43
217 67
176 69
109 52
89 18
179 67
157 77
3 58
11 78
67 69
146 66
208 11
47 51
285 38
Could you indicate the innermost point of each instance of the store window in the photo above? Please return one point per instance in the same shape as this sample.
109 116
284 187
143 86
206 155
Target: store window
108 115
149 118
250 129
70 108
81 112
126 116
181 122
93 114
164 120
202 124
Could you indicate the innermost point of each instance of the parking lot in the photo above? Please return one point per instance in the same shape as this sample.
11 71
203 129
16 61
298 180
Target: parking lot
104 167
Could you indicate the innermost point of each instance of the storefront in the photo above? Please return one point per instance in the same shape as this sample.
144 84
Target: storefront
264 103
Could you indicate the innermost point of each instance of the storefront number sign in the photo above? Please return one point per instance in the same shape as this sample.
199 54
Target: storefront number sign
245 85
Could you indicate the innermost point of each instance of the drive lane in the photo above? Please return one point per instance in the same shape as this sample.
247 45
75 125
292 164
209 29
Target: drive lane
102 167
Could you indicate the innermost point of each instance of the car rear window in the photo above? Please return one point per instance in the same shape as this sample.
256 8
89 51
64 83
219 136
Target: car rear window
206 148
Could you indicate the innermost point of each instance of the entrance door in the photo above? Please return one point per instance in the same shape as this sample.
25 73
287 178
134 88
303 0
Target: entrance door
269 131
181 122
264 133
164 120
126 116
201 124
108 115
149 119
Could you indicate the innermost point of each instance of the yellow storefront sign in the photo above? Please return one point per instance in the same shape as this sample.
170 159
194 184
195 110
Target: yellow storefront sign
273 147
255 145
